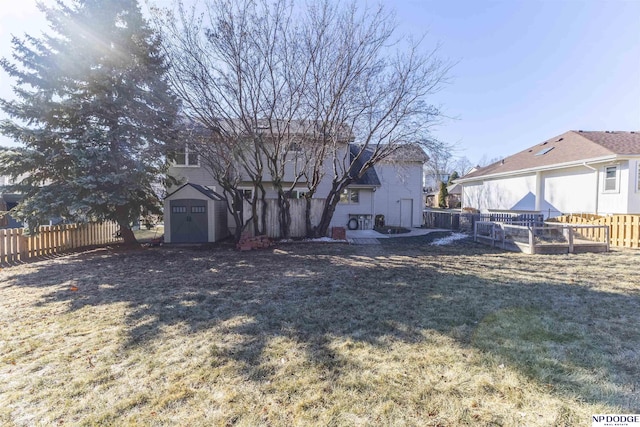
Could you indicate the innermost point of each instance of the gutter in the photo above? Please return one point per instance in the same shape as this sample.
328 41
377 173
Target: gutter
542 168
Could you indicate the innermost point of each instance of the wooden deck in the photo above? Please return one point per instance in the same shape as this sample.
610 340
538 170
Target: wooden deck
501 235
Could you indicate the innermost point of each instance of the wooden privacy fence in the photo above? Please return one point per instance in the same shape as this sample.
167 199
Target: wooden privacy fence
53 239
297 209
624 230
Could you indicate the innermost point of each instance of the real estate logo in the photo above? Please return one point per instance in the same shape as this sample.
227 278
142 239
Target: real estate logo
615 420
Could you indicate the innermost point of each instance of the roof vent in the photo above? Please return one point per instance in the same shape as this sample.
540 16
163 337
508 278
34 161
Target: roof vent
502 162
559 139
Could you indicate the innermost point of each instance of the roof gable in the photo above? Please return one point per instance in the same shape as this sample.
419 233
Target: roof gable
407 153
201 188
570 147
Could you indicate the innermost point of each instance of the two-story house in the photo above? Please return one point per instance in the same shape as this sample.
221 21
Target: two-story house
392 188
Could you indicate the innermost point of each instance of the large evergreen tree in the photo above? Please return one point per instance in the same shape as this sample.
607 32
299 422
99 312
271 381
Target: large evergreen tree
93 112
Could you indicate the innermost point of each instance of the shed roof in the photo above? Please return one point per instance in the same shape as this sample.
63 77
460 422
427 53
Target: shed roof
570 147
201 188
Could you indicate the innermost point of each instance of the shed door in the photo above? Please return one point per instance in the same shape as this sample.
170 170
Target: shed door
189 221
406 212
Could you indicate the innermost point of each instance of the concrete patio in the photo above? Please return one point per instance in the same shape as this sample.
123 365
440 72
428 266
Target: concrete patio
370 237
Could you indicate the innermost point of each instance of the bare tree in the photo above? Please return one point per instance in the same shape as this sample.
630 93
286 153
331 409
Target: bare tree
325 99
238 68
441 162
363 80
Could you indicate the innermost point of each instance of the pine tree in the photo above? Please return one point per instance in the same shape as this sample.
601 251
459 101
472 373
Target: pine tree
94 114
454 175
442 195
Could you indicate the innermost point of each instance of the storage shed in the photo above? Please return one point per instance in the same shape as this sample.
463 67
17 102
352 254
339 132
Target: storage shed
194 214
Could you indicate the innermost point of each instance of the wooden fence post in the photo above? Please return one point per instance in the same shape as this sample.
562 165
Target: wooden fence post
24 246
493 234
570 238
532 241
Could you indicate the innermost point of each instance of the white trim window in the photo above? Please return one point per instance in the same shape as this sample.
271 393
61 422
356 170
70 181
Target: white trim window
610 179
350 196
638 177
296 194
186 158
247 192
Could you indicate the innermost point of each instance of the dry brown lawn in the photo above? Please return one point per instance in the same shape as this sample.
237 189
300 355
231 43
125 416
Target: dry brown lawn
402 333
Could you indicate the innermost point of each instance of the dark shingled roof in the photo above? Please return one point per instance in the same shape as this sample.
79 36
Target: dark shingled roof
370 177
204 190
570 147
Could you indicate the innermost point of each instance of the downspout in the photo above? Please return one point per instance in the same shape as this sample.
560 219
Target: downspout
597 184
373 204
539 192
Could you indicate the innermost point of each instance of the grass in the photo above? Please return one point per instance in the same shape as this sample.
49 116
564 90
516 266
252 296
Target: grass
144 235
402 333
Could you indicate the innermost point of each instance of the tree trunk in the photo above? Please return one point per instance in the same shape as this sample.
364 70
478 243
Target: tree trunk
332 200
310 229
125 229
284 216
127 235
263 214
327 213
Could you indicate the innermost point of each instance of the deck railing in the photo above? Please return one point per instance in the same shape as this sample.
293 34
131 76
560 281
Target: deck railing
543 239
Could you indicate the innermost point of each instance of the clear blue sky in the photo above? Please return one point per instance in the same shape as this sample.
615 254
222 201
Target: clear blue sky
527 70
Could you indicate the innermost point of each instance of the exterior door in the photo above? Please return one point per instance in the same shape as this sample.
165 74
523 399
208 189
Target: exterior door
189 222
406 212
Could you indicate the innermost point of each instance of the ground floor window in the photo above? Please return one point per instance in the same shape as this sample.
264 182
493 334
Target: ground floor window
296 194
611 179
350 196
247 193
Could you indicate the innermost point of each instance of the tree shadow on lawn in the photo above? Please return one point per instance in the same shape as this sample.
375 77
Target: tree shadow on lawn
543 315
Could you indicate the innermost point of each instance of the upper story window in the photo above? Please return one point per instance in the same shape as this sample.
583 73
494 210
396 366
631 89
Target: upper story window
186 157
350 196
638 177
611 179
294 146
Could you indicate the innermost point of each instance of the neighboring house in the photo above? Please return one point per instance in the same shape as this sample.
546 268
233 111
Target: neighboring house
432 180
7 202
454 192
576 172
392 188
